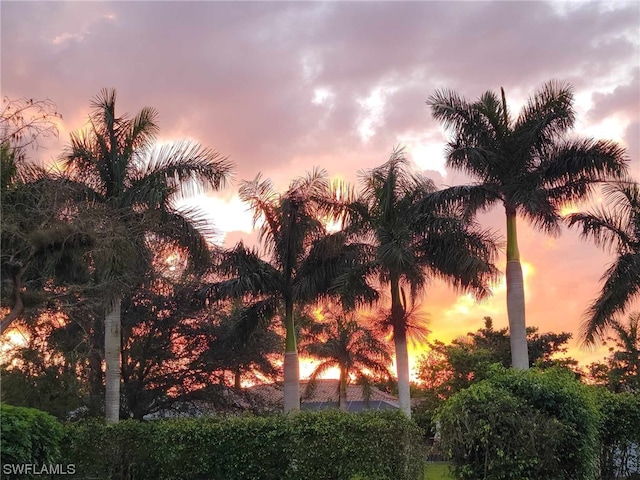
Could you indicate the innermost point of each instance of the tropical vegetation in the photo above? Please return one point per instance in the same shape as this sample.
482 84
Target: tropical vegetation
529 164
128 308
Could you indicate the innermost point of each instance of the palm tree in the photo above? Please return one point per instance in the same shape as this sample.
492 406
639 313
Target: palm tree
340 341
130 188
416 238
304 263
527 165
617 230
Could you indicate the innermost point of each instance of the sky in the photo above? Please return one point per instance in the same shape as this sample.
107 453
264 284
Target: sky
281 87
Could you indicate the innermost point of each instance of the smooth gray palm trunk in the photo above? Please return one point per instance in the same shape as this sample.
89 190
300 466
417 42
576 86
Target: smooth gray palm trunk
342 392
516 312
112 327
402 366
291 382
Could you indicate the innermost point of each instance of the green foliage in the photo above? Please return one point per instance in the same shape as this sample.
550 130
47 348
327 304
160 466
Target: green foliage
621 370
308 445
523 426
28 436
619 435
447 369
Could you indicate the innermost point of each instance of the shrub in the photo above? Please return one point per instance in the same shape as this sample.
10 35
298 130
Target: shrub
619 435
29 436
522 426
308 445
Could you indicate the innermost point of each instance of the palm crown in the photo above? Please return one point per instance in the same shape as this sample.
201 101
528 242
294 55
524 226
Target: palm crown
416 236
528 164
305 261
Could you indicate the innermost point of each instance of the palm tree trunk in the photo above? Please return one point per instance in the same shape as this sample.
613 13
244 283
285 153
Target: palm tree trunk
515 297
112 326
237 378
402 353
291 365
342 391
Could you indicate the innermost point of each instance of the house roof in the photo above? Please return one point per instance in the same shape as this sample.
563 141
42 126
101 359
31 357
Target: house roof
325 395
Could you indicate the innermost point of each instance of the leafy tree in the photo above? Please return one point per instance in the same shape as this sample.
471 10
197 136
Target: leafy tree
617 230
339 341
161 328
415 238
40 245
621 370
130 189
305 262
447 369
526 164
49 371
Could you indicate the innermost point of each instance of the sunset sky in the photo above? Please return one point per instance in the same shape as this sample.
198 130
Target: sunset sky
281 87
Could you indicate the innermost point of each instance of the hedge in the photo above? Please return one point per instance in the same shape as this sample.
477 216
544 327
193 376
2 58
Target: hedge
329 445
522 425
619 435
29 436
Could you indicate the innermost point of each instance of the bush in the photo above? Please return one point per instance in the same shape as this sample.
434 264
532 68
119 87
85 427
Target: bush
522 426
29 436
308 445
619 435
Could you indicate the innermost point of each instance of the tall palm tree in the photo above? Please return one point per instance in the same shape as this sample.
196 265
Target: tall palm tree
340 341
415 238
527 165
130 189
617 230
304 262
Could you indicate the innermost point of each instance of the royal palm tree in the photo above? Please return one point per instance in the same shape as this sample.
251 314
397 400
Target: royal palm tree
415 238
618 230
304 261
340 341
129 188
527 165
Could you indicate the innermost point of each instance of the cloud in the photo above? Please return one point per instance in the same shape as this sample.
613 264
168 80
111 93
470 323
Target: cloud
281 87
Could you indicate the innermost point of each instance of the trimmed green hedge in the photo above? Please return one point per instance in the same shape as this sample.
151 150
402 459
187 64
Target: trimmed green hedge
28 436
327 445
533 425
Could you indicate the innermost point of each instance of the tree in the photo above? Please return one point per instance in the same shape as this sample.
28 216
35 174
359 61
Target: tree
129 190
527 165
617 230
447 369
621 370
340 341
40 246
304 265
415 237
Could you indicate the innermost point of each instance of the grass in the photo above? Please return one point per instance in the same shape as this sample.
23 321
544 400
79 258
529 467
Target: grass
437 471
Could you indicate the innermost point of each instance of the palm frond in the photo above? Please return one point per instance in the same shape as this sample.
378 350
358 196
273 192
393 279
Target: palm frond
250 276
603 227
450 109
186 228
263 200
185 167
582 161
548 114
257 315
621 286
